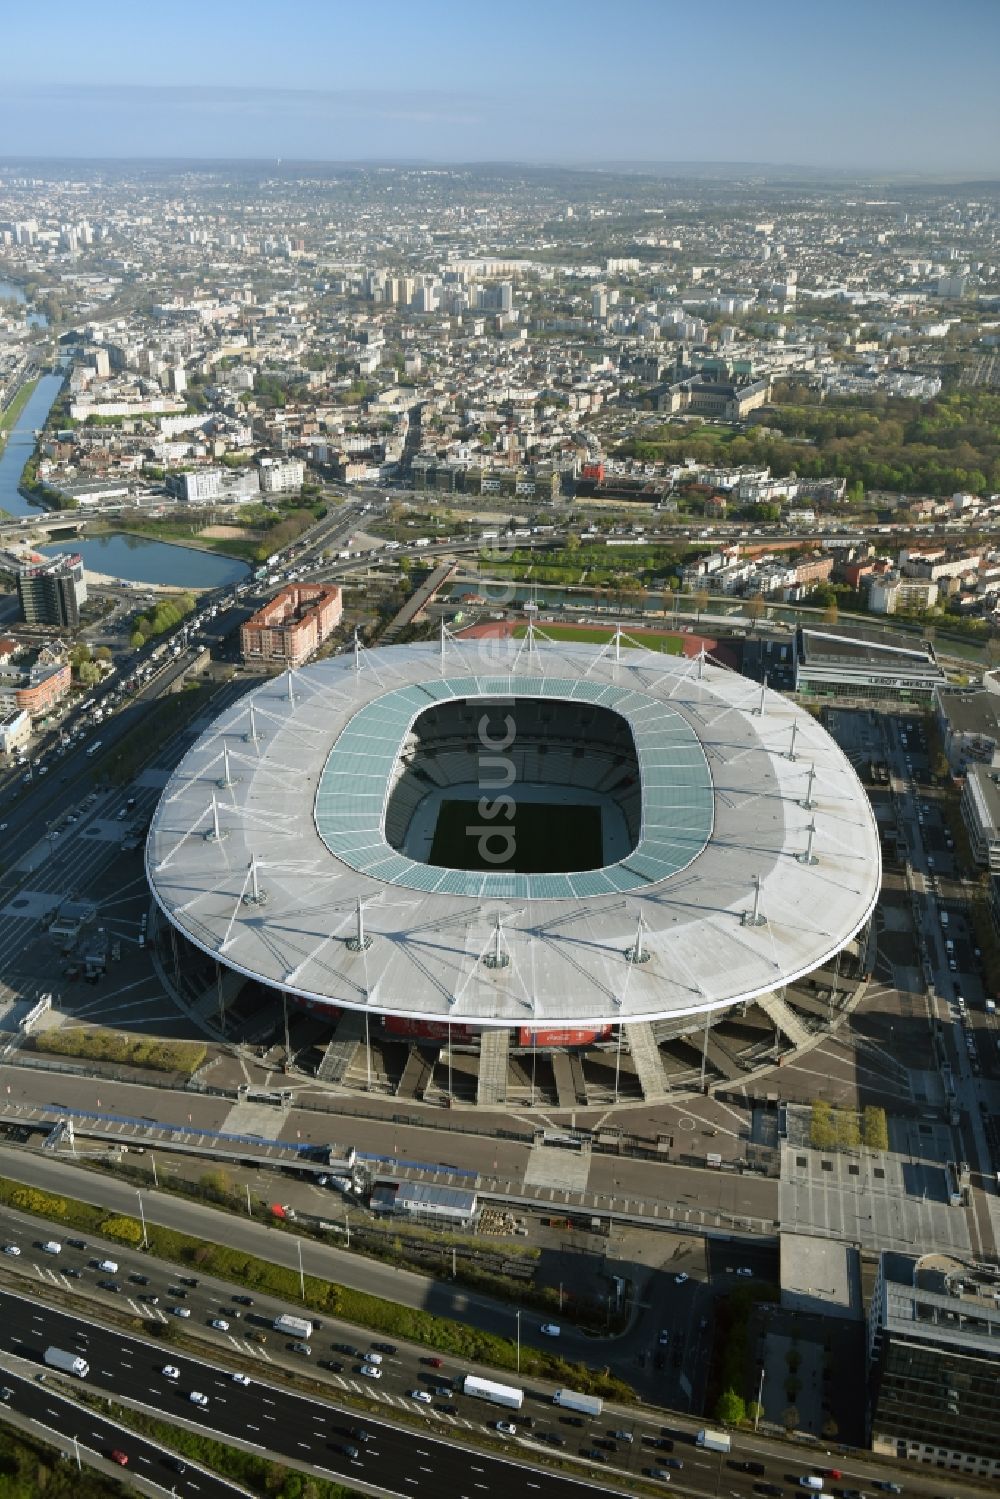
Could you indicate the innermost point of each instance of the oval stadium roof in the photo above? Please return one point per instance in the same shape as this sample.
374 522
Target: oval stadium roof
294 779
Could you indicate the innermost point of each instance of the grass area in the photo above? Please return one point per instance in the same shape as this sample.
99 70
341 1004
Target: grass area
126 1049
244 549
653 640
539 838
17 405
324 1296
28 1467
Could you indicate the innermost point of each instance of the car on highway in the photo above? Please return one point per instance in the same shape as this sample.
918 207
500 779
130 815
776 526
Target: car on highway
681 1277
112 1287
243 1300
660 1473
387 1348
12 1249
747 1466
369 1371
372 1358
118 1456
551 1329
197 1398
362 1434
433 1363
170 1371
302 1348
888 1486
744 1270
505 1428
595 1455
180 1311
220 1324
349 1450
421 1396
243 1379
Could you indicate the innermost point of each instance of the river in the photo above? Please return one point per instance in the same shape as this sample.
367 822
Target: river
21 444
138 559
11 293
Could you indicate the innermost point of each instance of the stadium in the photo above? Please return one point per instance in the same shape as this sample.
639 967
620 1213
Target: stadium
516 872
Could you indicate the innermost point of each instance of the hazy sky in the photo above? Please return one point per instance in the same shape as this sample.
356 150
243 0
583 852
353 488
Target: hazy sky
905 84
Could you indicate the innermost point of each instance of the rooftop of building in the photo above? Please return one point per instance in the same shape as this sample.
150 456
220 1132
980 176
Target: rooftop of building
825 1272
292 605
972 712
859 647
941 1302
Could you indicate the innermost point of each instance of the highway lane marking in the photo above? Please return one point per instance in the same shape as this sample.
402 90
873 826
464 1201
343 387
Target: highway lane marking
425 1470
252 1428
303 1444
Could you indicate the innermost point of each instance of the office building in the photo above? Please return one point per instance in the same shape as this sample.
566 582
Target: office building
280 474
15 731
969 723
835 663
286 631
53 590
980 808
215 485
934 1364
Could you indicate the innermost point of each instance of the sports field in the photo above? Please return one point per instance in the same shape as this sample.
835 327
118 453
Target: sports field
545 839
652 640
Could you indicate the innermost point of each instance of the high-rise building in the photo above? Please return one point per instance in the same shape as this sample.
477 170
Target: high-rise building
934 1363
52 591
599 303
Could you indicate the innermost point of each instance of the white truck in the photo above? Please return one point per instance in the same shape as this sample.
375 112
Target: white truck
572 1400
715 1441
69 1363
498 1394
294 1327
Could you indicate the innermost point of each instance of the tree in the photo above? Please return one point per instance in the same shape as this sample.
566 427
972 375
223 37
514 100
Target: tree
830 1428
730 1408
79 654
137 640
89 673
756 609
876 1129
102 653
822 1128
701 602
831 613
848 1133
755 1411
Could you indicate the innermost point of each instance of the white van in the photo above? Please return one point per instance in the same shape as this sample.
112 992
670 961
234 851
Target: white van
52 1246
109 1266
811 1481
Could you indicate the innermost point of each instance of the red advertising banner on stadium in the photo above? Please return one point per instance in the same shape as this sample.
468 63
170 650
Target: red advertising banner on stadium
527 1037
426 1030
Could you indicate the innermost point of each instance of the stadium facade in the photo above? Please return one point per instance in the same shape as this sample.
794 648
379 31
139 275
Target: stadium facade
513 846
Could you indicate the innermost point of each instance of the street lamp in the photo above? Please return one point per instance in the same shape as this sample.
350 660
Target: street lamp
517 1314
142 1217
760 1397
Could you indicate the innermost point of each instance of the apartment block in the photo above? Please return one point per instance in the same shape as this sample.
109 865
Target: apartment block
288 629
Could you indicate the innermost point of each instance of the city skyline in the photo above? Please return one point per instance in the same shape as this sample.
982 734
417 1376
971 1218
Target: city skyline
870 92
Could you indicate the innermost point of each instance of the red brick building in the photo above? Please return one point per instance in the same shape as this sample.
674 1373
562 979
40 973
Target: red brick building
288 629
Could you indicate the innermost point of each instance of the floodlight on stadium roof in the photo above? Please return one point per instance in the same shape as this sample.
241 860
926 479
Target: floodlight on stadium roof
756 858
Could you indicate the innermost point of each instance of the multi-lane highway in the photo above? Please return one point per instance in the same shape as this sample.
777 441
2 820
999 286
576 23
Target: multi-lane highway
276 1420
429 1458
72 1428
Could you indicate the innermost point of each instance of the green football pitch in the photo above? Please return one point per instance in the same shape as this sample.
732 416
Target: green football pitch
546 839
653 640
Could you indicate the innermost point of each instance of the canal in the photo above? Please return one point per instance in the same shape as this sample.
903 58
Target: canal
21 444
